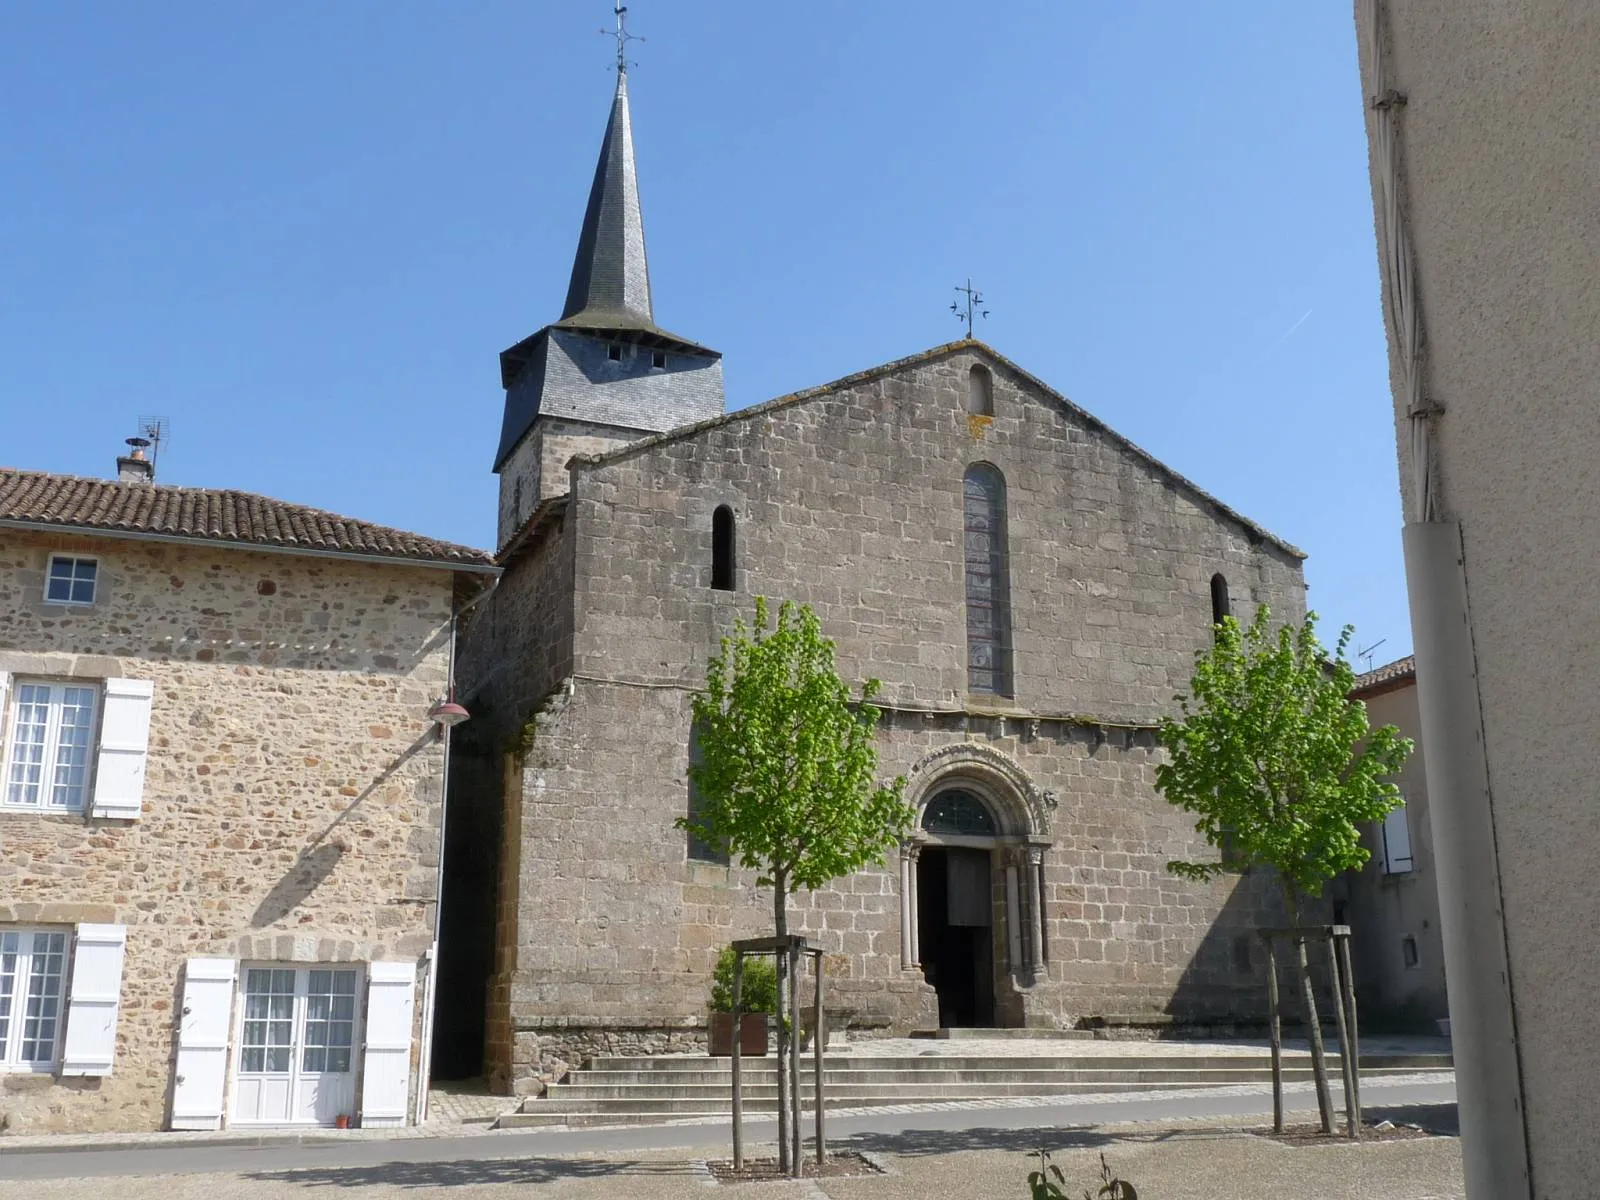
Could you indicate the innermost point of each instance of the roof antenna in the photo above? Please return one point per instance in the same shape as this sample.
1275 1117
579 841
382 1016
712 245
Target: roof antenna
974 300
154 431
623 37
1367 653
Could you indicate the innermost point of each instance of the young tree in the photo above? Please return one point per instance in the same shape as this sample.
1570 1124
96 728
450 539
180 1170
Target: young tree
786 777
1272 755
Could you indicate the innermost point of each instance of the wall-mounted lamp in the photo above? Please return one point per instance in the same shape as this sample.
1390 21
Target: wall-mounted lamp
447 712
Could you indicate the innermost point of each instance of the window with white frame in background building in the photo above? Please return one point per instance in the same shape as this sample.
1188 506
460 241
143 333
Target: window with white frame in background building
70 580
74 745
47 747
1396 832
33 973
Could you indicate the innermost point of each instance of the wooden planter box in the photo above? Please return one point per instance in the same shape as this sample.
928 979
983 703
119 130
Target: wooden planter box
753 1029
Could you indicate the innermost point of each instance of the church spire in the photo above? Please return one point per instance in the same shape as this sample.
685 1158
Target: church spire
610 287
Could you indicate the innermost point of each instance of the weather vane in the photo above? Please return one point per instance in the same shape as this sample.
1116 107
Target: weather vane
623 37
974 306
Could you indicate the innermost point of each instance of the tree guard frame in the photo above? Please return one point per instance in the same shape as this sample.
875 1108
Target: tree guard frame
1337 938
787 951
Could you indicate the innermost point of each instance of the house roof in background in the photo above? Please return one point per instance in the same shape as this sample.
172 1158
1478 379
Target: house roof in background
1386 678
41 500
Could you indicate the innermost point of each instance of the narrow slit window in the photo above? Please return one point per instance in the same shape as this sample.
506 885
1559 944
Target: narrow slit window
722 549
1221 606
614 352
988 581
699 849
980 392
1408 952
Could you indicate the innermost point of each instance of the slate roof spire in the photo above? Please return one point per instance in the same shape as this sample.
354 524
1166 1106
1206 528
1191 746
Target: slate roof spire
610 287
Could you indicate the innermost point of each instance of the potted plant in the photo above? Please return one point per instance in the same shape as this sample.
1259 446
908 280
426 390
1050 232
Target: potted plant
758 998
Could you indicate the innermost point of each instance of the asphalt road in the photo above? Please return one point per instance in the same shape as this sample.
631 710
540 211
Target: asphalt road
952 1129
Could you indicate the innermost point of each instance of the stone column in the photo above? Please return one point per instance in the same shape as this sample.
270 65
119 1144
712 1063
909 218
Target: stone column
1035 909
1013 912
911 949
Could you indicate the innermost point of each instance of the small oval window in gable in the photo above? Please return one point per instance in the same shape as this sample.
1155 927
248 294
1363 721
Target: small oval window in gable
722 549
980 392
1221 606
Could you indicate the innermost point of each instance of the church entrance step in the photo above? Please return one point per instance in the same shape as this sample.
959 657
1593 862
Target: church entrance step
615 1090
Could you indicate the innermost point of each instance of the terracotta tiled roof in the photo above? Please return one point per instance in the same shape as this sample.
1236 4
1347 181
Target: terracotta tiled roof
37 498
1387 677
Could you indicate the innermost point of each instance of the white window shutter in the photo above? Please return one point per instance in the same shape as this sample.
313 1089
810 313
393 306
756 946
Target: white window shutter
91 1042
124 746
203 1028
5 689
386 1064
1396 842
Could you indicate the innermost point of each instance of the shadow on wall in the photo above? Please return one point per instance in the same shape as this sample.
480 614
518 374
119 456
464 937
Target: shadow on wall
317 861
310 869
1225 982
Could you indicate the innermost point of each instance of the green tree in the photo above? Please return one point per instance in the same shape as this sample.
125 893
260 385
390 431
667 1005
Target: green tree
786 776
1278 762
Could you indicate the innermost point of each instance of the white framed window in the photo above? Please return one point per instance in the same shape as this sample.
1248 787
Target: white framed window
49 738
1397 842
71 579
33 972
72 746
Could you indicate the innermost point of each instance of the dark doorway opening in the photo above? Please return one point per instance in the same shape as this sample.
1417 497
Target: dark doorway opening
955 915
467 908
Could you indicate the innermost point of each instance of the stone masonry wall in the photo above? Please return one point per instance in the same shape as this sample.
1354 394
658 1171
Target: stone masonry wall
291 800
516 646
537 469
852 501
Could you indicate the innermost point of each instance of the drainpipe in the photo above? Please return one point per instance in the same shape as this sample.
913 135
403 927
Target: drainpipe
430 987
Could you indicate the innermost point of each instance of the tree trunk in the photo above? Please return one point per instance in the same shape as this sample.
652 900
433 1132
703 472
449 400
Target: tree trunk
1319 1062
780 922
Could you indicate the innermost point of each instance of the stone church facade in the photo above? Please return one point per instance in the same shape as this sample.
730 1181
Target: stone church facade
1029 586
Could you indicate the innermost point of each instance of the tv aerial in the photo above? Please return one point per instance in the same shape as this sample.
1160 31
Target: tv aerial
153 431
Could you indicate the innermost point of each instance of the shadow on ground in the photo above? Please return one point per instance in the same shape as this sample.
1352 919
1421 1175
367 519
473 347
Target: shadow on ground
911 1143
468 1172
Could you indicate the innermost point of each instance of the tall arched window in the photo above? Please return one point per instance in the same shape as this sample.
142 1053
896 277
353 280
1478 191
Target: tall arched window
988 582
700 850
722 549
980 392
1221 606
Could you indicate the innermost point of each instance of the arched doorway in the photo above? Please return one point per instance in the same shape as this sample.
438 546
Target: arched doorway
956 910
972 892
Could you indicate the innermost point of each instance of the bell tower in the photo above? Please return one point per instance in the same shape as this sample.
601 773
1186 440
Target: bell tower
605 374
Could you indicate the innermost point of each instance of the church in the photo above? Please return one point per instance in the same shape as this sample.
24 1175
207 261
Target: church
1030 587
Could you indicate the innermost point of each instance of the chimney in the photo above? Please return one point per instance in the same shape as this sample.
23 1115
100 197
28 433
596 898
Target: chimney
134 467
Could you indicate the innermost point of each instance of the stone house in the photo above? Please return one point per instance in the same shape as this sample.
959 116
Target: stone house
1392 903
1029 586
221 802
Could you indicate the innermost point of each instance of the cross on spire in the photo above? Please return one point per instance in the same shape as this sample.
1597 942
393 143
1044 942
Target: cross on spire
974 306
623 37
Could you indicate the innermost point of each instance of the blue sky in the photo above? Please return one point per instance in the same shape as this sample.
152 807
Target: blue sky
303 232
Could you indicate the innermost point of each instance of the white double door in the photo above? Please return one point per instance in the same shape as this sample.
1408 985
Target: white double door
296 1057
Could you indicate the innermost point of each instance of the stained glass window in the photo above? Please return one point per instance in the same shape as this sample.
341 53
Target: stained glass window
959 811
988 584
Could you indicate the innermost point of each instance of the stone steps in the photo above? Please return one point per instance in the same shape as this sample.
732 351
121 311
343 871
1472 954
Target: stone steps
615 1090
